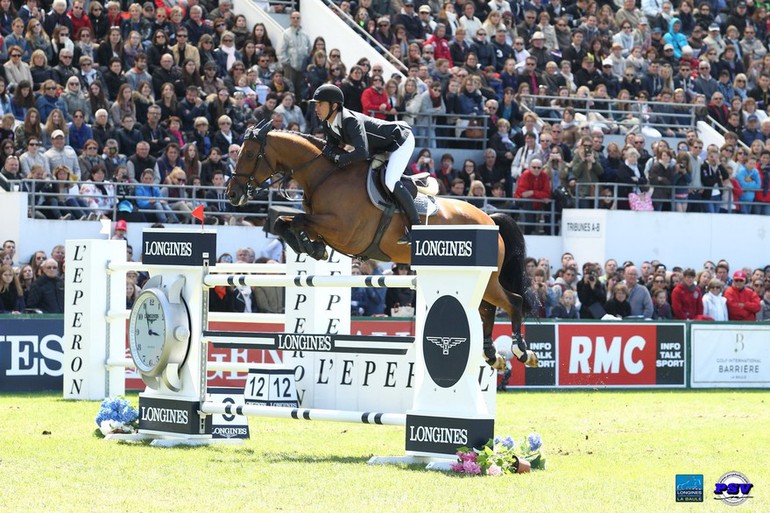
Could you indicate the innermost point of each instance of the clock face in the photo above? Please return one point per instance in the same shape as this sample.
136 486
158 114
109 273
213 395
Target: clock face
147 331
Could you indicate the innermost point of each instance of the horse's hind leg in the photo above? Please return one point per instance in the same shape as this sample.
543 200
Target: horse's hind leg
487 312
513 305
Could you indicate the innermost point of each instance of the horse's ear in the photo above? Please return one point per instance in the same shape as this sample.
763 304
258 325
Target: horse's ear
262 131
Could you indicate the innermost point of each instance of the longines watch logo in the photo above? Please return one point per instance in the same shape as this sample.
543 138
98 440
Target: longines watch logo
445 346
446 343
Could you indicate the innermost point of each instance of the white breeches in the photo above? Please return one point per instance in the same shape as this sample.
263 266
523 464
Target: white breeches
399 159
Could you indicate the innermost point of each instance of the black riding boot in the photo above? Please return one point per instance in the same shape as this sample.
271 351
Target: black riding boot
406 202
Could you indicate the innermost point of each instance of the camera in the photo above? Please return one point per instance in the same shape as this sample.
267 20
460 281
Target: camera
592 276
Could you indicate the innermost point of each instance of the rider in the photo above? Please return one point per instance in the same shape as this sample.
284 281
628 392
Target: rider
368 136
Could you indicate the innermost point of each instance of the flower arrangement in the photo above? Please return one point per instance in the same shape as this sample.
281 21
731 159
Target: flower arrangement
116 415
501 456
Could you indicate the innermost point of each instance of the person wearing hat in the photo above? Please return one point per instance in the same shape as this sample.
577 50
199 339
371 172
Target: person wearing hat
742 302
751 133
411 22
424 15
367 136
588 75
120 230
738 16
60 154
714 39
538 50
675 38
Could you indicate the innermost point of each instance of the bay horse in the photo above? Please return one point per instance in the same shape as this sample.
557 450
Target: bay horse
338 213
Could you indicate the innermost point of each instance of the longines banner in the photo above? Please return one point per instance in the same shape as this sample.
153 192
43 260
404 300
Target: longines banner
730 356
30 354
161 247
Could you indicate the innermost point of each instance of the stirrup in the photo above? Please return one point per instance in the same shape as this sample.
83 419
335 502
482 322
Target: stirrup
406 239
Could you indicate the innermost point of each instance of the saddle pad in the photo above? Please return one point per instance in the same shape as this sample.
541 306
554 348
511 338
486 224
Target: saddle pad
426 205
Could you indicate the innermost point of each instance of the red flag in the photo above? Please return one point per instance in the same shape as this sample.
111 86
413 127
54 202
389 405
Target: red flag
198 213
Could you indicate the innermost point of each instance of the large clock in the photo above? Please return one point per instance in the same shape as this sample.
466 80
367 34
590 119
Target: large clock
159 333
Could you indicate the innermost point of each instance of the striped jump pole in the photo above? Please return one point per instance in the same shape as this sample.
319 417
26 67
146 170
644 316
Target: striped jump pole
279 412
409 282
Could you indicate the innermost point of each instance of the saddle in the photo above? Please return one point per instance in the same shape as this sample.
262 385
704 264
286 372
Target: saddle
380 196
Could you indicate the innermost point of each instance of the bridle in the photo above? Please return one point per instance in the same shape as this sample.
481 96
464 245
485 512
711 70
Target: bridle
251 186
259 133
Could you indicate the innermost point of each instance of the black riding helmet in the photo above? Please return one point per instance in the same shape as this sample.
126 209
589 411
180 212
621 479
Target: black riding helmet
328 93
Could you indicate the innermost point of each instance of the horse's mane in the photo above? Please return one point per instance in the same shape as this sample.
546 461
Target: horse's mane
317 142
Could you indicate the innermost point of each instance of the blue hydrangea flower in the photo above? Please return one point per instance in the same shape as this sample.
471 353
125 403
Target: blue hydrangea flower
507 442
117 409
534 441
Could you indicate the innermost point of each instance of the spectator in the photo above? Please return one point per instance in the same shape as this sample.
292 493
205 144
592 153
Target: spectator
399 301
592 293
661 308
47 291
714 304
619 306
742 303
687 298
638 295
62 155
566 308
533 192
11 293
295 50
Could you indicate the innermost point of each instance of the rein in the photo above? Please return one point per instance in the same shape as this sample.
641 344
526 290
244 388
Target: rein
253 189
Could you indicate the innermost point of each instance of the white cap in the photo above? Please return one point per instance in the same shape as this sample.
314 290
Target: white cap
57 133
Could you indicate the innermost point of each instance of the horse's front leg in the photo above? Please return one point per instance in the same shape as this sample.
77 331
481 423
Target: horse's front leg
282 228
300 227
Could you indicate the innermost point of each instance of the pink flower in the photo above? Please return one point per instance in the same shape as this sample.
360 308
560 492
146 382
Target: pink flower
494 470
457 467
467 456
470 467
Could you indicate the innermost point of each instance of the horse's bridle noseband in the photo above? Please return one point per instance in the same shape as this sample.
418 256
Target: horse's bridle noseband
259 133
252 188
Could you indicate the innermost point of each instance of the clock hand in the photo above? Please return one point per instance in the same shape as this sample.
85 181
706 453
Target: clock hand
146 317
152 333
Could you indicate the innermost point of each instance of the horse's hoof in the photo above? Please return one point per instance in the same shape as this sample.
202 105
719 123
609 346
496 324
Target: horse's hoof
498 362
532 360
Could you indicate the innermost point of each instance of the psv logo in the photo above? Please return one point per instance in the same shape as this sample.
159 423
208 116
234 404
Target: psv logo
607 355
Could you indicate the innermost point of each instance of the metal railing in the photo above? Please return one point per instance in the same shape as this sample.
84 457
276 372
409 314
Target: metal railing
48 204
445 130
367 37
588 107
535 216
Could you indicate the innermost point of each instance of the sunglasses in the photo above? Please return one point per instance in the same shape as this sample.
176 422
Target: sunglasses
15 55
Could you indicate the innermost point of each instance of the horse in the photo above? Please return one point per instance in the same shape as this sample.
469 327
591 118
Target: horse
338 213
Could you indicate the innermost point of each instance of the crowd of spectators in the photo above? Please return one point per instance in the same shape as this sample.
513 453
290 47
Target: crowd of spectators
553 78
648 291
95 95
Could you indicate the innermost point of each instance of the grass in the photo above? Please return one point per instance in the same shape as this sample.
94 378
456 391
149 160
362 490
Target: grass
607 451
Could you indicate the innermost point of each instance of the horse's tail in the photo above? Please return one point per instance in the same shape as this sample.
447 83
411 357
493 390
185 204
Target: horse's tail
513 275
